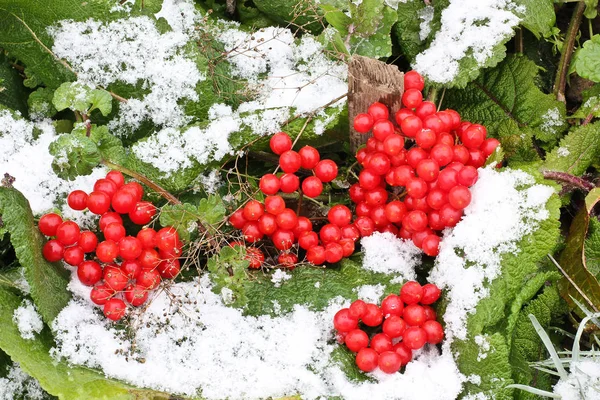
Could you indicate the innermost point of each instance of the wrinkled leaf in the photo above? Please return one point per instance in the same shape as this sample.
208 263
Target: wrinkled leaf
590 103
74 155
182 217
576 151
12 92
538 16
40 103
587 62
407 29
109 146
82 98
211 209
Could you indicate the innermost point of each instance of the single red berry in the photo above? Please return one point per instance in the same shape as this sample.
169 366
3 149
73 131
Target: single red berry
287 219
131 268
77 200
350 232
68 233
251 232
411 292
303 224
436 198
367 359
425 138
415 155
326 170
415 221
169 269
363 123
418 237
434 331
89 273
449 215
356 193
442 154
312 186
334 252
142 213
447 179
289 183
393 145
382 129
414 337
473 136
403 174
136 295
107 251
283 239
316 255
87 241
123 201
130 248
149 259
394 326
425 109
135 189
434 123
309 157
147 238
411 126
49 223
73 255
290 161
101 293
358 308
107 186
392 305
467 176
356 339
412 98
53 250
114 309
459 197
395 211
348 247
430 314
373 315
117 177
404 352
378 111
343 321
363 209
389 362
287 260
365 226
115 278
431 294
114 232
476 158
98 202
414 315
461 154
428 170
401 114
368 180
381 342
489 146
330 233
378 216
108 218
269 184
339 215
447 139
413 80
254 256
280 143
274 204
431 245
446 119
267 224
308 240
253 210
148 278
237 219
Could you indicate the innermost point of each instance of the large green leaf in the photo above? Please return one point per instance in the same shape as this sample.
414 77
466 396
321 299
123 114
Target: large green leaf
407 29
57 378
538 16
592 247
12 92
48 281
507 93
576 151
74 155
587 61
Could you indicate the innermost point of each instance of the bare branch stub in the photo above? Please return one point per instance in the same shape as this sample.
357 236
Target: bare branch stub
369 81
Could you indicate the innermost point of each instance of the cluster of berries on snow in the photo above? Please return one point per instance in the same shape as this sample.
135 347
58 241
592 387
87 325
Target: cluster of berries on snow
144 258
282 225
407 323
432 154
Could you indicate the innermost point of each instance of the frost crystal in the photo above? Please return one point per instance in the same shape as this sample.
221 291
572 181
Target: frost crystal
28 320
280 276
18 384
386 253
551 120
563 151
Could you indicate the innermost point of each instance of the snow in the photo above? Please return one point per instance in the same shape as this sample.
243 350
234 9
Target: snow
388 254
551 120
17 384
563 151
26 157
394 3
484 346
426 16
28 320
370 293
502 215
468 27
279 277
583 381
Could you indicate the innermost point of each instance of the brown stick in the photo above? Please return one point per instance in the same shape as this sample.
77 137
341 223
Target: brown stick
570 180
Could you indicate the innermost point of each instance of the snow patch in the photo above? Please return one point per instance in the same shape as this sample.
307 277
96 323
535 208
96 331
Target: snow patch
18 384
563 151
426 16
279 277
28 320
388 254
551 120
370 293
583 381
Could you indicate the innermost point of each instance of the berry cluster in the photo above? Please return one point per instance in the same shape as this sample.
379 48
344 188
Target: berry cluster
282 225
433 155
407 323
144 258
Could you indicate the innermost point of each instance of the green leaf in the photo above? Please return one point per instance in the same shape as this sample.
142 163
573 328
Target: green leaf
57 378
591 9
336 18
538 16
299 13
314 287
408 28
12 92
40 103
32 80
507 93
372 23
587 62
576 151
211 209
82 98
109 146
180 216
74 155
590 103
48 281
592 247
102 100
228 273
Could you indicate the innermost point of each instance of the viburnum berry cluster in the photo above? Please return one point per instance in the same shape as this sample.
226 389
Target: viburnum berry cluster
119 266
407 323
283 225
432 154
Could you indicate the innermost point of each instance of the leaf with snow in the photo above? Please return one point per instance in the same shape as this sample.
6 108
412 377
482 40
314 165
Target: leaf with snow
228 272
180 216
82 98
48 281
40 103
508 93
74 155
576 151
409 28
370 28
590 104
587 60
537 16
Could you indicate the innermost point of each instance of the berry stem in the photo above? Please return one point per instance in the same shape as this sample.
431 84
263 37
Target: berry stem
570 180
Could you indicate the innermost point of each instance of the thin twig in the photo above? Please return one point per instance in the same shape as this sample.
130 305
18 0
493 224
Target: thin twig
570 180
567 52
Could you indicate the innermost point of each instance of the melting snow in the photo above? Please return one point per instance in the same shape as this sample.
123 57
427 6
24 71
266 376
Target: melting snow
386 253
28 320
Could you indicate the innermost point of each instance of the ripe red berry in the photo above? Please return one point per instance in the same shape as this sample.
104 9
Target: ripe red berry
414 337
316 255
115 278
449 215
425 138
148 278
267 224
67 233
237 219
303 224
411 126
287 219
415 221
393 145
280 143
381 342
425 109
401 114
87 241
289 183
308 240
368 180
489 146
326 170
416 188
334 252
136 295
363 123
378 111
343 321
411 292
130 248
347 246
253 210
274 204
413 80
356 340
251 232
339 215
114 232
101 293
459 197
149 259
428 170
442 153
358 308
98 202
283 239
107 251
418 237
77 200
431 294
430 314
89 273
373 315
330 233
142 213
434 331
365 226
312 186
290 161
309 157
367 359
123 201
430 245
394 326
389 362
107 186
473 136
109 218
382 129
476 158
447 179
467 176
131 268
414 315
350 232
53 250
254 256
411 98
392 305
135 189
169 269
117 177
114 309
147 237
404 352
49 223
73 255
287 260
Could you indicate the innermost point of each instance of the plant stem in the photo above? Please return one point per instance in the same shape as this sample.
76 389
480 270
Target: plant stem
567 52
431 96
519 47
569 179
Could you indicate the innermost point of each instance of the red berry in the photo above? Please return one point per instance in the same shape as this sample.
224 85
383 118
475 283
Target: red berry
283 239
135 189
431 245
73 255
428 170
459 197
288 260
434 331
148 278
365 226
147 238
267 224
334 252
414 337
347 247
401 114
87 241
308 240
316 255
449 215
142 213
53 250
467 176
414 315
381 342
149 259
117 177
411 98
425 138
312 186
114 232
356 193
280 143
447 179
489 146
274 205
442 154
326 170
107 186
115 278
373 315
447 139
343 321
436 198
49 223
287 219
367 359
430 314
350 232
389 362
130 248
434 123
131 268
309 157
339 215
392 305
411 292
418 237
330 233
416 188
425 109
411 126
378 111
114 309
368 180
363 123
107 251
136 295
254 256
476 158
289 183
395 211
253 210
413 80
358 308
415 221
431 294
77 200
393 145
303 224
89 273
394 326
473 136
108 218
290 161
68 233
356 339
269 184
101 293
251 232
123 201
169 269
404 352
98 202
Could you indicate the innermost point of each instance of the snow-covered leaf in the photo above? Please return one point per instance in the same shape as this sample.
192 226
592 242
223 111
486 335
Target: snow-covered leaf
40 103
74 155
82 98
590 103
408 30
576 151
508 93
587 61
537 15
228 273
48 281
